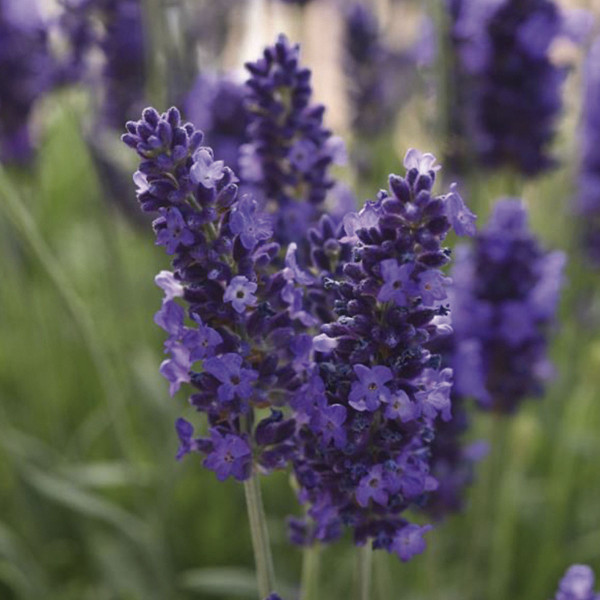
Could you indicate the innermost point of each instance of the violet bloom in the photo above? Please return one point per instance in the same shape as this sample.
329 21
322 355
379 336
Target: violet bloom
288 155
176 231
505 295
372 487
250 223
508 90
397 282
230 456
235 380
373 361
205 170
240 292
577 584
329 422
409 541
369 391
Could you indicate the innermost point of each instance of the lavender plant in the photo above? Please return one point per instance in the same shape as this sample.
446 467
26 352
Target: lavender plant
369 411
375 74
507 90
240 343
378 82
505 293
289 151
577 584
26 72
122 44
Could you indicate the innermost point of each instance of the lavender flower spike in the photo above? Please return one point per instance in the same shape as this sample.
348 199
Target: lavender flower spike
289 151
508 88
504 304
376 395
577 584
26 71
236 341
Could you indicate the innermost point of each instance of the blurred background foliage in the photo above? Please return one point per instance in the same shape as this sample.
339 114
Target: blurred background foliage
93 505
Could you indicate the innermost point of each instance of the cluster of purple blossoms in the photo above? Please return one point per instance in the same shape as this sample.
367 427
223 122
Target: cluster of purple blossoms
369 411
26 70
124 50
506 79
505 294
376 75
588 198
122 45
215 104
577 584
289 152
240 342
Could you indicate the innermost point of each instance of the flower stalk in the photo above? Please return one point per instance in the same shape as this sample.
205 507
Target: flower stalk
364 570
310 572
265 574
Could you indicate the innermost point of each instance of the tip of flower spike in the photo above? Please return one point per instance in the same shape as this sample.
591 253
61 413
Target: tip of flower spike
424 163
150 115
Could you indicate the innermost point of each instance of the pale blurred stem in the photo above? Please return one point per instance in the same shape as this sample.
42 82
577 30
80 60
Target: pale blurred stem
481 511
364 570
311 556
265 574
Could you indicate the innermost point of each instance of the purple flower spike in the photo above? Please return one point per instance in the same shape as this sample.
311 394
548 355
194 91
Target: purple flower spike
288 156
504 301
377 397
238 334
577 584
235 380
240 292
370 391
231 456
508 84
409 541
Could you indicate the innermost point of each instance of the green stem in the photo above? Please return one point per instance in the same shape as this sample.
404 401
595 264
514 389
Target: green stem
365 559
310 572
265 573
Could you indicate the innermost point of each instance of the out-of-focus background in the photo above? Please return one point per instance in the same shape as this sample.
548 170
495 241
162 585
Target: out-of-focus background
93 505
